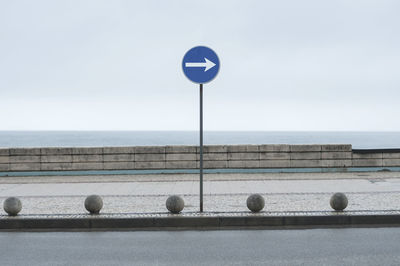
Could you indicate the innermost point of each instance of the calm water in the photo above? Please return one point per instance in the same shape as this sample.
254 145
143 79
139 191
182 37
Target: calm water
362 140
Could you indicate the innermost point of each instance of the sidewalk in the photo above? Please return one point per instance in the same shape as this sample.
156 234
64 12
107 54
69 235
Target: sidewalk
145 195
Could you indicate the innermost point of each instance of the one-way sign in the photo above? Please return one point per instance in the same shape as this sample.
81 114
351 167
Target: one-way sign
200 64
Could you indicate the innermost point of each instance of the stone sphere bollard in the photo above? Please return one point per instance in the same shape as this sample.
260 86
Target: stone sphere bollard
255 202
93 204
175 204
339 201
12 206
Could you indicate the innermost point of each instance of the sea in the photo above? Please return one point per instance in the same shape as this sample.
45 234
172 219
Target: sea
359 140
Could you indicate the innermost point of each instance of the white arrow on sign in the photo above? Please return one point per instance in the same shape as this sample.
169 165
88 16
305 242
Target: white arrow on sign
207 64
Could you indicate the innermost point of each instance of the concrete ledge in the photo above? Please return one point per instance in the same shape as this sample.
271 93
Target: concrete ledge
305 148
274 148
87 151
94 158
336 147
305 156
376 150
214 164
24 166
244 156
55 166
149 165
211 170
4 152
119 157
391 155
187 157
113 150
336 163
150 149
4 159
274 163
180 149
391 162
56 159
181 157
367 156
367 162
214 156
25 151
244 164
25 159
336 155
180 164
56 151
87 166
214 148
243 148
119 165
199 222
305 163
4 167
274 156
150 157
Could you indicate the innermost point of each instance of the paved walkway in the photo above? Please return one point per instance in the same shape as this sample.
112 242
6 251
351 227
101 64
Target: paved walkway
146 194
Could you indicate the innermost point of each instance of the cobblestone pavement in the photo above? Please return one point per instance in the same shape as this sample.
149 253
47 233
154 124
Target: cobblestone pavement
375 193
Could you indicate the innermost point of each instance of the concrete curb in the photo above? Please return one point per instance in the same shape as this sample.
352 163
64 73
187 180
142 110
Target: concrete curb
201 223
196 171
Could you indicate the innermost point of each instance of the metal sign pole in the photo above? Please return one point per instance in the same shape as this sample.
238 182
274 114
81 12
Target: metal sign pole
200 65
201 147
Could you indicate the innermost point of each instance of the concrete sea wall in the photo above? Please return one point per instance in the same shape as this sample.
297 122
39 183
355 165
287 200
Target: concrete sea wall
187 157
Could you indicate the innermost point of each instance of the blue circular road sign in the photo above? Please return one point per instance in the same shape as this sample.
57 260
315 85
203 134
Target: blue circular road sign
200 64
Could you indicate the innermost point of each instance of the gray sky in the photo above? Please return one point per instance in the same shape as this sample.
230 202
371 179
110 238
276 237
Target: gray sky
116 65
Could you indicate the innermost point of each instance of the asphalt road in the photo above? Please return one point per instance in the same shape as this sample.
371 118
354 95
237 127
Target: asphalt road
372 246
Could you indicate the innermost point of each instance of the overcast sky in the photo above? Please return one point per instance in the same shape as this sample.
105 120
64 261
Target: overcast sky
116 65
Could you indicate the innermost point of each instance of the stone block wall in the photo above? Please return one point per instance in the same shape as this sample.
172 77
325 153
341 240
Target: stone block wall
376 158
187 157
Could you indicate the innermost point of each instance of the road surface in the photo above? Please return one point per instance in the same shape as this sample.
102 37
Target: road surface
372 246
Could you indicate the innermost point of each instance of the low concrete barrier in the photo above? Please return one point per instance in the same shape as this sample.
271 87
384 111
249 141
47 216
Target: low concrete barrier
187 157
376 157
201 222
